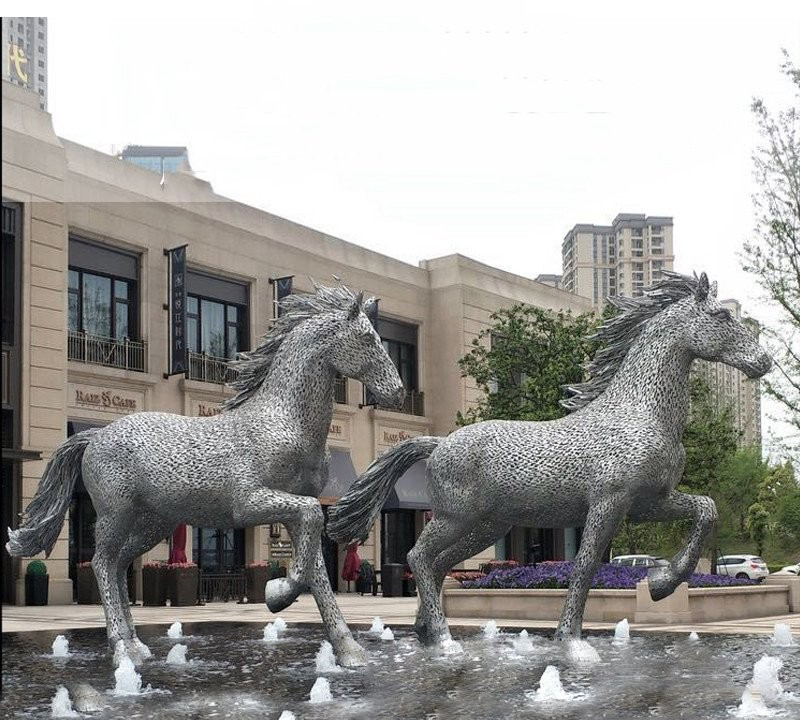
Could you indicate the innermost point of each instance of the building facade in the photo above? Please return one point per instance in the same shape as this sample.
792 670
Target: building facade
90 344
730 386
623 258
158 158
25 43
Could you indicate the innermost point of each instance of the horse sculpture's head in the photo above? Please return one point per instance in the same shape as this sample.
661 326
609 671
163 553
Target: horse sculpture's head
357 352
713 333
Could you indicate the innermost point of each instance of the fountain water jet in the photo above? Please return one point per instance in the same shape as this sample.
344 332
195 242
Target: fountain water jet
782 635
280 624
581 652
175 631
693 637
321 692
622 632
287 715
60 646
61 705
270 633
377 626
550 687
387 634
326 659
450 646
128 681
177 654
522 643
490 630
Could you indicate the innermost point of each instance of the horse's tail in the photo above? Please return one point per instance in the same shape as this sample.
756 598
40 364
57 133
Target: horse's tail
44 516
351 517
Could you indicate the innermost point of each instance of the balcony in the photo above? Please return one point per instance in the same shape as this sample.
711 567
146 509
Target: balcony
124 353
207 368
340 390
413 404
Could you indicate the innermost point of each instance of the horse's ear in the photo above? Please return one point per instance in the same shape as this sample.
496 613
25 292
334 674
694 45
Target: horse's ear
702 288
355 308
712 291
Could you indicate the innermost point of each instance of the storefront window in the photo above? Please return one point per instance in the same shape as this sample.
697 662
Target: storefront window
214 328
93 309
217 550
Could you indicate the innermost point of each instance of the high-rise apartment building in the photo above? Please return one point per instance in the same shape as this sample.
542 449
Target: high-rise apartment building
600 261
158 158
731 386
25 43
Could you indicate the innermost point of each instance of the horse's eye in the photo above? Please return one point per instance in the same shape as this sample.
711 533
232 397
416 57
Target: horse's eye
722 314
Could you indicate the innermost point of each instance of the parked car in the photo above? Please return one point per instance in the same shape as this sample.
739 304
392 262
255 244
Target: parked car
742 566
789 570
639 561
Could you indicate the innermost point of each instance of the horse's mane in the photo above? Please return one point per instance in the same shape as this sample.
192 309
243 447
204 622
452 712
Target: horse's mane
618 333
253 367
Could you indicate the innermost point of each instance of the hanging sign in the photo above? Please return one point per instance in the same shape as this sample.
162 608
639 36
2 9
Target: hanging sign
177 310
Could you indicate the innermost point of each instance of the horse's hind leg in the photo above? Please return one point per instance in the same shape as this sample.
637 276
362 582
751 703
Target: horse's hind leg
438 535
110 535
479 538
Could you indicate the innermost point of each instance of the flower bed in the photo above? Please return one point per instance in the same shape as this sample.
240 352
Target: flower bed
556 575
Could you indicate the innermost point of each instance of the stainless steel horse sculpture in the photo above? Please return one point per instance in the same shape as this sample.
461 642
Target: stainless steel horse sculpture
262 460
618 454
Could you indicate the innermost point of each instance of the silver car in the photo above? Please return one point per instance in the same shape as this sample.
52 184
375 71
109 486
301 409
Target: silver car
742 566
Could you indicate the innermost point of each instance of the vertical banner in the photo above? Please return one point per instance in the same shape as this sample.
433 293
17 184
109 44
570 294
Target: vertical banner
281 287
177 310
372 316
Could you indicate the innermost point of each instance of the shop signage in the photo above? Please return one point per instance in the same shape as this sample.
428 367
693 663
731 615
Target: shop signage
177 310
108 400
339 429
392 435
16 62
207 409
280 548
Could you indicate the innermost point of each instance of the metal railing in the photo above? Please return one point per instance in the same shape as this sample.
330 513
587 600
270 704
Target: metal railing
208 368
221 586
413 404
340 390
112 352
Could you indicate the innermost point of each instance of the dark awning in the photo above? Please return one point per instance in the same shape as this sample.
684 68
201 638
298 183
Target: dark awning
411 490
341 474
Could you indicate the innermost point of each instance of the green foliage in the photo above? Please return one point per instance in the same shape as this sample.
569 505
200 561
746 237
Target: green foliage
757 523
521 363
773 253
740 485
709 439
789 516
36 567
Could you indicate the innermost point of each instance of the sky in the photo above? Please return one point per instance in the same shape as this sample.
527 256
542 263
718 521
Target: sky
424 129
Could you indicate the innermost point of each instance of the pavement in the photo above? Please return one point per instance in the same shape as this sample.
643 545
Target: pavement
357 609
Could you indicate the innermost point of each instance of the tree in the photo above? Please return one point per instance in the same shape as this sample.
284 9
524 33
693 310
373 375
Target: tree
530 354
773 252
740 486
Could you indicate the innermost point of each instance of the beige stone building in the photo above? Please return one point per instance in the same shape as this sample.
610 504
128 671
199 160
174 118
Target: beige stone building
85 339
733 387
601 261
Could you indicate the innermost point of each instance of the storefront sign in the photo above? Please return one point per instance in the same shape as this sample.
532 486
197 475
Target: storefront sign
280 548
16 64
393 435
105 399
339 429
206 409
177 310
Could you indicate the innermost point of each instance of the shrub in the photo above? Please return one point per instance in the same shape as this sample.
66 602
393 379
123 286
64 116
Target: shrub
556 575
257 565
154 564
488 567
464 575
181 565
86 564
36 567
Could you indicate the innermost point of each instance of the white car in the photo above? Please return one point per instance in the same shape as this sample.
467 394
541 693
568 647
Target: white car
742 566
639 561
789 570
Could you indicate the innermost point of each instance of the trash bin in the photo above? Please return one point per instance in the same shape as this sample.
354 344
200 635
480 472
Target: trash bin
392 579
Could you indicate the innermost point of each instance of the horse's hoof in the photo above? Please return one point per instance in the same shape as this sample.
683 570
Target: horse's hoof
350 654
134 649
429 635
659 582
282 592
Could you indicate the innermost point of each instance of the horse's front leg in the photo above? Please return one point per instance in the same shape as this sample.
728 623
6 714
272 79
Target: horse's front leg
602 522
662 581
348 652
303 518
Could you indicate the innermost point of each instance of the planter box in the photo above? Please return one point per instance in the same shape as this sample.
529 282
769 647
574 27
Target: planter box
697 605
255 582
182 586
154 586
409 587
36 589
88 592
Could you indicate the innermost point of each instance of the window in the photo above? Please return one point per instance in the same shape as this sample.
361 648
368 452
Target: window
102 288
400 342
41 77
10 233
216 316
41 21
41 36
